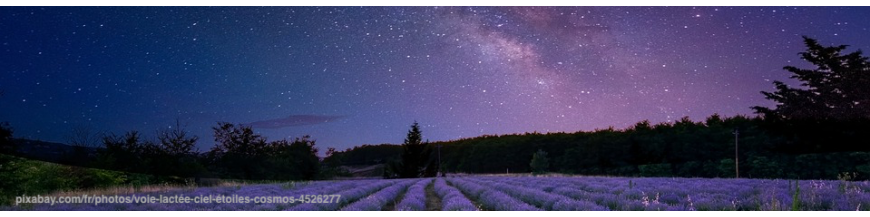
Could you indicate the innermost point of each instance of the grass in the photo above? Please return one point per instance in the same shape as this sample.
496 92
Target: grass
23 176
122 190
132 189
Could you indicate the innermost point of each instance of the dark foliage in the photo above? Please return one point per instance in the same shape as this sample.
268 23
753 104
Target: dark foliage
836 89
6 144
176 154
540 163
415 159
413 156
7 163
365 155
238 151
125 153
241 153
82 140
683 148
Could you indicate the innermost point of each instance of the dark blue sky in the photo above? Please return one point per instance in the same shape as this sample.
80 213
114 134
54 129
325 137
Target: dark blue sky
351 76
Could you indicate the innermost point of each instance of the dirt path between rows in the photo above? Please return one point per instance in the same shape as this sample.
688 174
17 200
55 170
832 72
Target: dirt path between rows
391 206
433 201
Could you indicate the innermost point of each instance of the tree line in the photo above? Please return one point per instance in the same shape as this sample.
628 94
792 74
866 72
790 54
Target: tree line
684 148
820 130
238 153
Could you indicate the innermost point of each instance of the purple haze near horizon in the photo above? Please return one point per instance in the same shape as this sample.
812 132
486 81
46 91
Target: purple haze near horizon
350 76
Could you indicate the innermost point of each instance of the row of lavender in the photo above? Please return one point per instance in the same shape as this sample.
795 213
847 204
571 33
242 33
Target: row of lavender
494 195
598 193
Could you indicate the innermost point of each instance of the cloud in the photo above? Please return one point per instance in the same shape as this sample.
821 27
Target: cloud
294 120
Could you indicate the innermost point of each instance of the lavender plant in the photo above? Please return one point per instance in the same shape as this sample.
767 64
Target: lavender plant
347 196
451 198
415 198
490 198
377 200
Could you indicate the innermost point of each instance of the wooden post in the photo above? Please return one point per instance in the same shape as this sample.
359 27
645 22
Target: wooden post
439 160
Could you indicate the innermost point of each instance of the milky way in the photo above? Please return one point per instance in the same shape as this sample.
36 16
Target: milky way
351 76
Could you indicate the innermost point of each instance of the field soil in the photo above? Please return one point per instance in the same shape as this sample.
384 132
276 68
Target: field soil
433 202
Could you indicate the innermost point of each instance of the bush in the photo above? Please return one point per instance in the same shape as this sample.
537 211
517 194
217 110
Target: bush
540 164
762 167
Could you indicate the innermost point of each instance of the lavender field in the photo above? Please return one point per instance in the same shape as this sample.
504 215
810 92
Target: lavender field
530 193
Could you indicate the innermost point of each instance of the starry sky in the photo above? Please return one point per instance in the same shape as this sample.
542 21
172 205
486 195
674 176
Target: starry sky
349 76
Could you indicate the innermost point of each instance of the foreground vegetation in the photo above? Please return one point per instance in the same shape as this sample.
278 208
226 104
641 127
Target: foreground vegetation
19 176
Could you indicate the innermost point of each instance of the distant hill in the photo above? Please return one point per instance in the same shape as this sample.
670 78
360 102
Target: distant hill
364 172
366 155
49 151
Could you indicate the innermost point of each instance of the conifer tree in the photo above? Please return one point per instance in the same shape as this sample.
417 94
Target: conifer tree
838 87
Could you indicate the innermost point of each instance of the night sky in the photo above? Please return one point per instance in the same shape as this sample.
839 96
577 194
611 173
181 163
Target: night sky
353 76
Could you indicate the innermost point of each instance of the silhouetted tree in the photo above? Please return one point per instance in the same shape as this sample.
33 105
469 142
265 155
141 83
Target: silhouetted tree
9 181
295 160
83 140
414 157
332 161
238 152
83 136
838 88
6 144
176 154
304 155
175 142
331 165
241 153
124 153
830 108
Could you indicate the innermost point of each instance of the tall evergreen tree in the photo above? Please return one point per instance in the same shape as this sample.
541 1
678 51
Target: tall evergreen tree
838 88
414 157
